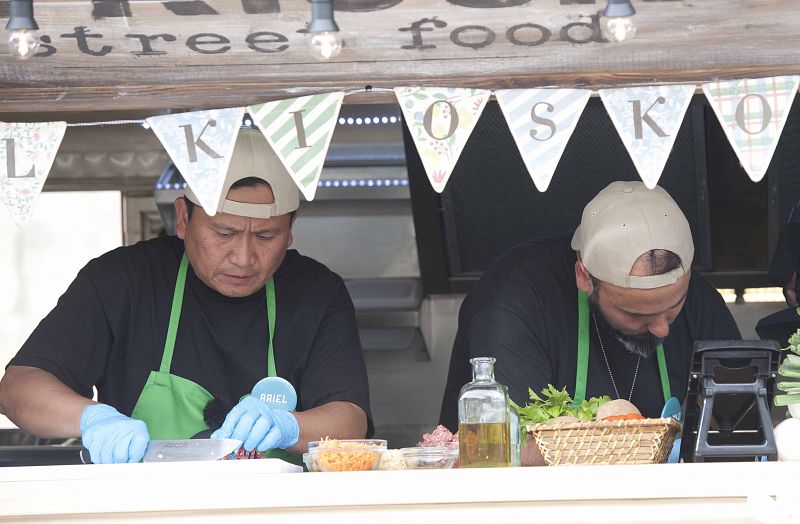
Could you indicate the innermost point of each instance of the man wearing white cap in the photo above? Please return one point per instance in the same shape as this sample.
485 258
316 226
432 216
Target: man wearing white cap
613 312
165 328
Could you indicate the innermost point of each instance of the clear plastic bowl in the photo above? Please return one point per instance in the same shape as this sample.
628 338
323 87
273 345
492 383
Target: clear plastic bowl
308 460
346 455
430 457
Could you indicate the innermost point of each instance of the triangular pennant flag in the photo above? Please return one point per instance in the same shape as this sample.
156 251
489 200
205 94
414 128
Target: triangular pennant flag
542 121
200 143
648 120
299 131
440 121
27 152
752 113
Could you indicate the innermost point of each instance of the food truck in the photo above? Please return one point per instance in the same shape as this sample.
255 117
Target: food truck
410 236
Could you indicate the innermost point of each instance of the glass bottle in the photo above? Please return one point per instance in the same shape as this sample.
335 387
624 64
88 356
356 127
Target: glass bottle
483 420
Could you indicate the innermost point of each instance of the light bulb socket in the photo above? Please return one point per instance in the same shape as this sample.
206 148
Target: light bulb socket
618 8
322 17
20 16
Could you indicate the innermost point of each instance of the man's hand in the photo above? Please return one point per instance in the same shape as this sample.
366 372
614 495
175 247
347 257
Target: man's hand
111 437
259 426
789 291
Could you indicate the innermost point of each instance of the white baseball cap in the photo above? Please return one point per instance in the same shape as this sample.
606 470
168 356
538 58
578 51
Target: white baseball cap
253 157
626 220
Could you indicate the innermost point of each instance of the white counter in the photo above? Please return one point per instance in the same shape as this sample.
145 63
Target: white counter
245 491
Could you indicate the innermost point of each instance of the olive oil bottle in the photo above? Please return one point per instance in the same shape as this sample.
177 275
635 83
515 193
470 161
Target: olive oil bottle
484 445
483 424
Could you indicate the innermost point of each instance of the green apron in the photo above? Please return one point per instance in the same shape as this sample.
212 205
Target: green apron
172 406
582 369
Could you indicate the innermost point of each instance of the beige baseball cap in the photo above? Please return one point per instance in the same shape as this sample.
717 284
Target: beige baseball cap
253 157
626 220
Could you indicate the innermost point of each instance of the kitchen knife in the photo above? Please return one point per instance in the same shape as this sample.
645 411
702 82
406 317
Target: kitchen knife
183 450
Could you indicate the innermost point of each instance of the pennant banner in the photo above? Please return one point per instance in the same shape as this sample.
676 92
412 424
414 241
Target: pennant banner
753 113
542 121
200 144
648 120
299 131
440 121
27 152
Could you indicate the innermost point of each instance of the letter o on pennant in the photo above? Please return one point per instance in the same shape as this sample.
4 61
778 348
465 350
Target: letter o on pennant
427 121
742 120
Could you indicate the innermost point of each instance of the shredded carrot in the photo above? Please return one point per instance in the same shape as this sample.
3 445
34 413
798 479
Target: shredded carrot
333 455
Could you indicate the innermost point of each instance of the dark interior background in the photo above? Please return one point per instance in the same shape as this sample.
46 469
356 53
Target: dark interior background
490 203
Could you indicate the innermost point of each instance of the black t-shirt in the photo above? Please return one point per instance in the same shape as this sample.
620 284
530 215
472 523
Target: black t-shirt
523 311
108 330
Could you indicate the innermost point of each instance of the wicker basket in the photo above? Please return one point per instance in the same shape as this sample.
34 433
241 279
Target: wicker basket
644 441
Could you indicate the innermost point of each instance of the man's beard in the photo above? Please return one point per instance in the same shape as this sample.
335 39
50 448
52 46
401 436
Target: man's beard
644 344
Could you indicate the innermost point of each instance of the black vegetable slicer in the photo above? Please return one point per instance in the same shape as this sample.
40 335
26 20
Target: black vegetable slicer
726 413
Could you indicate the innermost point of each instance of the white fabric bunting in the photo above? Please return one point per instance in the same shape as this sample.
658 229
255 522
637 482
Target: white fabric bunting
440 121
299 131
200 144
542 122
27 151
753 113
648 120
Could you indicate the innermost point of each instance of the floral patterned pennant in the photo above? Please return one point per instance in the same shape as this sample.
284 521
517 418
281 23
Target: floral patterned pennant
647 120
27 151
200 143
440 121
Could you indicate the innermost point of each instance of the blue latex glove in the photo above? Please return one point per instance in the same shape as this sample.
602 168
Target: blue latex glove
259 426
111 437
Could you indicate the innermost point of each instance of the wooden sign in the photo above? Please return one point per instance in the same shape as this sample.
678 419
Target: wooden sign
199 54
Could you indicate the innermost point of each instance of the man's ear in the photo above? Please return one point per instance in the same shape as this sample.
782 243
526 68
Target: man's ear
181 217
582 277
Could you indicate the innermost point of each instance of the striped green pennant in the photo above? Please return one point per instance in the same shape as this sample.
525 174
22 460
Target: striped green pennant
299 131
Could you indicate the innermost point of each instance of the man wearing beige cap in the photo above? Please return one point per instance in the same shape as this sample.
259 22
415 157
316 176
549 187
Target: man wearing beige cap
172 328
613 312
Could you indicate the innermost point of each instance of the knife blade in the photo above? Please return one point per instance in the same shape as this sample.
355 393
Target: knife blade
183 450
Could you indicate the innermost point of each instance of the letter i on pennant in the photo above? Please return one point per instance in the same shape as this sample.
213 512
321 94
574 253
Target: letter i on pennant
27 152
299 130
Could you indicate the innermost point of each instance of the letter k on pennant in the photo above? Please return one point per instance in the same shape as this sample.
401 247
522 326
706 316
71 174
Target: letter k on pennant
648 120
200 144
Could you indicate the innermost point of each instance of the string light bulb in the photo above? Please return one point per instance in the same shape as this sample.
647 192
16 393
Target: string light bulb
618 24
326 42
23 40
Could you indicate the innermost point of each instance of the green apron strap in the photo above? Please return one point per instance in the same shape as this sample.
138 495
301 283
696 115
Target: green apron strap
583 349
582 368
662 370
271 371
174 316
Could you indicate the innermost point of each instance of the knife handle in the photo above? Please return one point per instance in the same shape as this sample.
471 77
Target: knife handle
86 458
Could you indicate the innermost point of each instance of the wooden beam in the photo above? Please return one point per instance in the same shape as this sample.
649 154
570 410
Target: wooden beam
184 54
